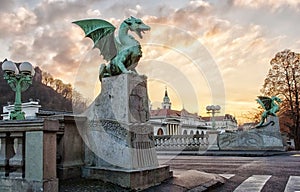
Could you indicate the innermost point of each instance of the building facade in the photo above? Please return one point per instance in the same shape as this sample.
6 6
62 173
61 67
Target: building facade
167 121
222 123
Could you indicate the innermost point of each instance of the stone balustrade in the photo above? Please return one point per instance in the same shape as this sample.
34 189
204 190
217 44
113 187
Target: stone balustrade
28 155
182 142
12 154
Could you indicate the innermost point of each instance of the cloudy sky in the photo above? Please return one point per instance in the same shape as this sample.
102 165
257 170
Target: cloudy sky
205 52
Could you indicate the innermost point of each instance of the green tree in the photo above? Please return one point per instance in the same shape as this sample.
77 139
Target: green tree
283 80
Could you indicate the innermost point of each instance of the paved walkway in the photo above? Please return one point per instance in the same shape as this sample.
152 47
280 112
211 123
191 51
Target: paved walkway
262 173
254 183
187 180
84 185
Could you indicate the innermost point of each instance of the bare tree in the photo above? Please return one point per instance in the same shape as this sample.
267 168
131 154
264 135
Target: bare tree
67 91
283 80
47 78
57 85
79 103
253 116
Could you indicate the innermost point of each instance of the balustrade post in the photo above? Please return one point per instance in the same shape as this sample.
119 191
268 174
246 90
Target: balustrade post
16 163
10 152
3 160
198 143
179 142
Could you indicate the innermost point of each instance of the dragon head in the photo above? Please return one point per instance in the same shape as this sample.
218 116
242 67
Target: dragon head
277 99
137 26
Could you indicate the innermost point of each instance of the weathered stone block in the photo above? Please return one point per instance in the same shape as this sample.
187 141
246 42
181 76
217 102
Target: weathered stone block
119 139
134 179
118 131
70 147
265 138
34 156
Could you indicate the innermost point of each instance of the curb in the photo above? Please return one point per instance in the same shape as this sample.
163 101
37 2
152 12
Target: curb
225 153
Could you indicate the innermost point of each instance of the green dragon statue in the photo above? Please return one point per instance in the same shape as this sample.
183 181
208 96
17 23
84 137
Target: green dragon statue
270 105
123 52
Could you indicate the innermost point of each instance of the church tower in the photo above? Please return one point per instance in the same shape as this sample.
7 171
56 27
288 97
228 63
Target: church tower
166 104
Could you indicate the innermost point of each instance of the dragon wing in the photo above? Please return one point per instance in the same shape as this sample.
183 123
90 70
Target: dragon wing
102 34
265 102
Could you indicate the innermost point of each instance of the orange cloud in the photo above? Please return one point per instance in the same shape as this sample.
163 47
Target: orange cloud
213 49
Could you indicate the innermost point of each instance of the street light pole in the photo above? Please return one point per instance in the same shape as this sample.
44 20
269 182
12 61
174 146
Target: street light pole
213 109
19 79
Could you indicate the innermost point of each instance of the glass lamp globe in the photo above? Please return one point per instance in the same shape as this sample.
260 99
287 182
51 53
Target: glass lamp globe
9 66
26 67
208 108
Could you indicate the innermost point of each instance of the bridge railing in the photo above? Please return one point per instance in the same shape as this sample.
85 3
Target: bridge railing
12 150
181 142
28 155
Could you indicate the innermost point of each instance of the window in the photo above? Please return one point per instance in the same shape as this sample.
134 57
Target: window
160 131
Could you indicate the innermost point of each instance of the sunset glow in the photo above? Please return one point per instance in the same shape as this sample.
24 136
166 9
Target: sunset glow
205 52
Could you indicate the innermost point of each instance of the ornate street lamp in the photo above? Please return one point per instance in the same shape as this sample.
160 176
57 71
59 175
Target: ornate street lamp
19 79
213 109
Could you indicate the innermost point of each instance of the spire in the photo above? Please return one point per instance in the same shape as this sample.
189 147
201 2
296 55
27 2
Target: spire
166 104
166 92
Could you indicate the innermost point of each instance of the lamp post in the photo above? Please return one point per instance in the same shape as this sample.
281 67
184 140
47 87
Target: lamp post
19 79
213 109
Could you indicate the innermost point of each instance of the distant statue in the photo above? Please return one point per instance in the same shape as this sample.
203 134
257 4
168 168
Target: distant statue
270 105
123 52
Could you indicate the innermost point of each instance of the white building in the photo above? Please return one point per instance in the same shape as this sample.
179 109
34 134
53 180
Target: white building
222 123
30 108
167 121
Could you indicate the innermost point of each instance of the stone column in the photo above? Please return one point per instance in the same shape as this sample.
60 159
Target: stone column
40 154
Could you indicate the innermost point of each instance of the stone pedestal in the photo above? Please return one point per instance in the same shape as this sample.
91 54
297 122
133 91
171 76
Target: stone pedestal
119 136
264 138
212 140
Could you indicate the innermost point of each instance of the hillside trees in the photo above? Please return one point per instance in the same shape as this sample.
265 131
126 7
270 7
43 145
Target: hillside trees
52 93
79 103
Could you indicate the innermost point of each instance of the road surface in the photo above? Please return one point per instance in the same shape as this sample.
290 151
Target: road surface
279 173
